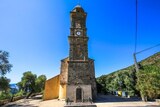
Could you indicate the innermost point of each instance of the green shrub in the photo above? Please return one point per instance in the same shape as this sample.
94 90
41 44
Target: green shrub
20 93
4 95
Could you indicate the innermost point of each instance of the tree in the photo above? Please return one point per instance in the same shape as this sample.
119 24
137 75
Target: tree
148 82
28 82
123 80
20 86
40 83
31 84
5 66
4 84
102 84
130 83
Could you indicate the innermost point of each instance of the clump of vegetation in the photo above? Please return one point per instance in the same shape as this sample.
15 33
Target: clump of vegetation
5 67
19 93
123 80
4 95
30 84
146 82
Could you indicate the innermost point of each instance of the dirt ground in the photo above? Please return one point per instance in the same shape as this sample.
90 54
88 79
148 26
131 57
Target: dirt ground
102 101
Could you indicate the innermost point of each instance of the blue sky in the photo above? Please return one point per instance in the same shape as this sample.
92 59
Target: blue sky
35 33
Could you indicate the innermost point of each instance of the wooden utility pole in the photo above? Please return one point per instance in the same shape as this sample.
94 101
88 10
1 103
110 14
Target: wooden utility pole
135 62
134 55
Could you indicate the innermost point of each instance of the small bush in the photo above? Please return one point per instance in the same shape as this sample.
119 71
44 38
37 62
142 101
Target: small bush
4 96
19 94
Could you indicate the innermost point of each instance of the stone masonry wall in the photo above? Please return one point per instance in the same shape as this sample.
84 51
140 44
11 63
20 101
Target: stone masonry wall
86 92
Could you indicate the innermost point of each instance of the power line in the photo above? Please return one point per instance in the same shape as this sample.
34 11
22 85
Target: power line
136 36
148 48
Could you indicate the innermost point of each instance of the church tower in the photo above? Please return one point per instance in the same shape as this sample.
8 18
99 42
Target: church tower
78 39
77 71
76 81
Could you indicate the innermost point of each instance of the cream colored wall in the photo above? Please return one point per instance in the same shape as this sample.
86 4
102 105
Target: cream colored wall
51 88
62 92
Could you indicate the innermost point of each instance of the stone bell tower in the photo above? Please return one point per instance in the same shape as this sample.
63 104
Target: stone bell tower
77 71
76 80
81 73
78 36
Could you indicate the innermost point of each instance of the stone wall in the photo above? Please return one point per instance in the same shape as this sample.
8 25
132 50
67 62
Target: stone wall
82 72
64 71
93 79
86 92
78 72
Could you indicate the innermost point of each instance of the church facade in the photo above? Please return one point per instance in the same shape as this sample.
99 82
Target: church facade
76 81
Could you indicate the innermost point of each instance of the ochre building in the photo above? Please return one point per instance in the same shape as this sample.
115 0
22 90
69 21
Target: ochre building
76 81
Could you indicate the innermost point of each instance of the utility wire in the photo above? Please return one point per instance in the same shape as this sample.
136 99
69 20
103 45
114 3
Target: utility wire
148 49
136 36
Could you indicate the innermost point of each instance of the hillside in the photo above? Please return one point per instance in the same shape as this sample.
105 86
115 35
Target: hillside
128 80
152 60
